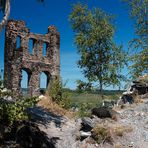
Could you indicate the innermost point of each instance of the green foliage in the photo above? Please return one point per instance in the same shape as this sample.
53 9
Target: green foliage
100 59
84 109
11 112
57 93
92 97
5 93
139 13
83 86
55 90
65 101
139 63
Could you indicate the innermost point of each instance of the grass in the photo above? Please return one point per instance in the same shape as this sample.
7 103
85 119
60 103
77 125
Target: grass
117 145
84 101
92 98
109 131
101 134
120 130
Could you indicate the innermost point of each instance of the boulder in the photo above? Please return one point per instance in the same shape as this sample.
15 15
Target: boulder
87 124
127 98
101 112
142 88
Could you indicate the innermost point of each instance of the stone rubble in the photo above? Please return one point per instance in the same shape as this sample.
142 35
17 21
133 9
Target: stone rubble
68 134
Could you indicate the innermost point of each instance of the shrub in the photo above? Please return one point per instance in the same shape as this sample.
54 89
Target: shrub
15 111
55 90
84 109
58 95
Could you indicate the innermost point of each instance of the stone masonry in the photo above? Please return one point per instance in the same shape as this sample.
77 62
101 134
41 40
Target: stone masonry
19 58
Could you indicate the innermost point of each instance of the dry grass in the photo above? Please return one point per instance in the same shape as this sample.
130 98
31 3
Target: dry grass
120 130
108 132
115 118
137 98
51 106
102 134
117 145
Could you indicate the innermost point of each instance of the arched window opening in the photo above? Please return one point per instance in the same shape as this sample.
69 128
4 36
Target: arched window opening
44 80
31 46
25 83
18 42
44 50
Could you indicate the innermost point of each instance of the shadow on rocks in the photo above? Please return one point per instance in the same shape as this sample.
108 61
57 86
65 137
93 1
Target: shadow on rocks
40 115
26 134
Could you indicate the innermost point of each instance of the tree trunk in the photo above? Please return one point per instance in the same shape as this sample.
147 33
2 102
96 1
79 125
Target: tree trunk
6 15
101 90
119 89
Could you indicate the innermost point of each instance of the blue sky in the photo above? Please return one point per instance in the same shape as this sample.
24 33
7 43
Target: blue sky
55 12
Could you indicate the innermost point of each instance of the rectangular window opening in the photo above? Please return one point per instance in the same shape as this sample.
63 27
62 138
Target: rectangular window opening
18 42
31 46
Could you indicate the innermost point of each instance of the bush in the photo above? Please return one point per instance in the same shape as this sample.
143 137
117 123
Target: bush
57 93
15 111
84 110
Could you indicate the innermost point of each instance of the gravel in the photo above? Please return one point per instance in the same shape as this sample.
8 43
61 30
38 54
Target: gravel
137 118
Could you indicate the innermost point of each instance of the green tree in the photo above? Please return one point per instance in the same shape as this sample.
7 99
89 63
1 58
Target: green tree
139 13
100 59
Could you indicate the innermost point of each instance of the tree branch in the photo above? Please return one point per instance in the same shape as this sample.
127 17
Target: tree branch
6 15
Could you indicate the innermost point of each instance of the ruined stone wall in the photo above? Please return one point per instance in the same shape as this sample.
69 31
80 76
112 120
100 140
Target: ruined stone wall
19 58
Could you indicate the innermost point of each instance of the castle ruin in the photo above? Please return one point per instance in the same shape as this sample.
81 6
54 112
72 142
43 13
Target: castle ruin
18 57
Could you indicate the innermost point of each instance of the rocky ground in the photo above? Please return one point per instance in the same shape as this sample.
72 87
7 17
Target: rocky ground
65 133
137 118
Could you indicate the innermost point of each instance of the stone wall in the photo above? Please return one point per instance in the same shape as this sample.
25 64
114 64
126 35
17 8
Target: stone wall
18 57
